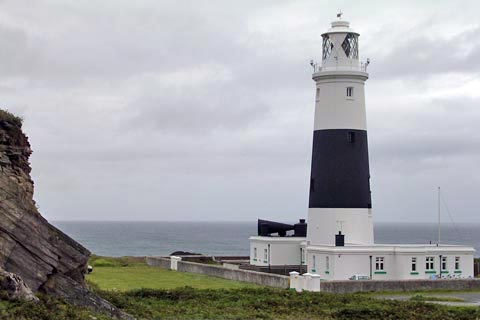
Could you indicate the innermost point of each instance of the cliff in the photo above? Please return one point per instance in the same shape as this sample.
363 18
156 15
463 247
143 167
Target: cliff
45 258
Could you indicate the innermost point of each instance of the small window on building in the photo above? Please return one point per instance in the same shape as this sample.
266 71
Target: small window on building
265 255
317 96
314 263
429 263
414 264
350 92
351 136
302 256
255 253
379 263
327 263
457 263
444 263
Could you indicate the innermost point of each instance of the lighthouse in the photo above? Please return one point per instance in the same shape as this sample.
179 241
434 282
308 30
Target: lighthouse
340 200
337 240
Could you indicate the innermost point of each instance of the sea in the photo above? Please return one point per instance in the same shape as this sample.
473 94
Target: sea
157 238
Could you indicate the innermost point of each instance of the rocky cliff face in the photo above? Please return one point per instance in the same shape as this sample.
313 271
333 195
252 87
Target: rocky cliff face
45 258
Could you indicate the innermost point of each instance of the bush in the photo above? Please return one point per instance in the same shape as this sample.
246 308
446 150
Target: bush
6 115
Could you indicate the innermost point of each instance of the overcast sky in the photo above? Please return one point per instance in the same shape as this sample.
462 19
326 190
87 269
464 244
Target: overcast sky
203 110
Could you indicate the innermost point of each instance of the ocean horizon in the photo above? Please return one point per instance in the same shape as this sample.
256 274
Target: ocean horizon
160 238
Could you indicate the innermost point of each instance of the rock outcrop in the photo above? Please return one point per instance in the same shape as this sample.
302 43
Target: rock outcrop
44 257
14 288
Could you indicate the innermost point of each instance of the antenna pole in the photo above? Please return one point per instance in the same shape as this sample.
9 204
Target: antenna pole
439 221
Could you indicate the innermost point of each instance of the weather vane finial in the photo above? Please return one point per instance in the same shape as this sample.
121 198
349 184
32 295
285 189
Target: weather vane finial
339 15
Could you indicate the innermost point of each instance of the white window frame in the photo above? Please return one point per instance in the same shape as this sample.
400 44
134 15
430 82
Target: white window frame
457 263
265 255
302 255
429 263
444 263
255 253
414 264
350 92
379 263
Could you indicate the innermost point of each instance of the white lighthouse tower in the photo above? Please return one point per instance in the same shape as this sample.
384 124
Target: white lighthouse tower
339 242
340 198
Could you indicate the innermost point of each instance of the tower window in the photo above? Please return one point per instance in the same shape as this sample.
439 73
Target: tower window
350 46
327 47
317 96
350 92
351 137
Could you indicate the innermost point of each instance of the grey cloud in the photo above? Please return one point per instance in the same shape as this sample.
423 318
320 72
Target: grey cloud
132 105
418 55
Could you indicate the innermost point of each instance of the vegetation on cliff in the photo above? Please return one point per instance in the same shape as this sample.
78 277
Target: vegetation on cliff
6 115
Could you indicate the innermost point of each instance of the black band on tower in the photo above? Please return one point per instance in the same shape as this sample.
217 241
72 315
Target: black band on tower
340 175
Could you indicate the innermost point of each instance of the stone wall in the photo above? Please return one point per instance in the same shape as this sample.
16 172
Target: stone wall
265 279
163 263
392 285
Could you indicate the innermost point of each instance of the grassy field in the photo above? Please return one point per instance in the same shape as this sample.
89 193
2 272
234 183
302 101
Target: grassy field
154 293
269 303
125 274
175 295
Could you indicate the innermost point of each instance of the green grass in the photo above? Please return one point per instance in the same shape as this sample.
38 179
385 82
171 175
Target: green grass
176 295
419 297
418 292
123 274
143 276
47 308
154 293
269 303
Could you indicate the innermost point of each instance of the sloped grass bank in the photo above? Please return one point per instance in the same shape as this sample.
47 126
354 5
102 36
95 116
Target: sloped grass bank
47 308
269 303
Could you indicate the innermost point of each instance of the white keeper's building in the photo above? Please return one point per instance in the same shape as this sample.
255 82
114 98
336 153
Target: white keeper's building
339 239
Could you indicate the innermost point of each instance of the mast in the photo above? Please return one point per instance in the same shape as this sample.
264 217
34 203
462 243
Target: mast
439 221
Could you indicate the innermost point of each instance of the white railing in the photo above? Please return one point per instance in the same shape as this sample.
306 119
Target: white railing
353 66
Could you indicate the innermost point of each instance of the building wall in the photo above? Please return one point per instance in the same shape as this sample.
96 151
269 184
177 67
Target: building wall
396 266
278 251
332 99
355 223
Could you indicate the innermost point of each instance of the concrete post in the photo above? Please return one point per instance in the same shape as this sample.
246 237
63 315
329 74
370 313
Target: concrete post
307 282
293 279
315 282
174 262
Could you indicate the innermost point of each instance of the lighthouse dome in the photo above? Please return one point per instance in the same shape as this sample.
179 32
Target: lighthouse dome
340 48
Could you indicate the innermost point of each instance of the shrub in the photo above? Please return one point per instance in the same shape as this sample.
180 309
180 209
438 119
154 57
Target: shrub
6 115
